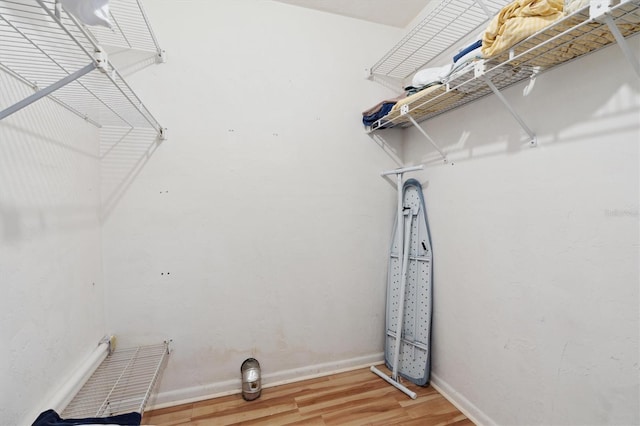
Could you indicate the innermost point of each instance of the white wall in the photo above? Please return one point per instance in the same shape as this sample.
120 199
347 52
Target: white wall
261 227
51 308
536 249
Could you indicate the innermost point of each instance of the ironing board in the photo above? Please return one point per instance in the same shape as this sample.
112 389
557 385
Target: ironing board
414 354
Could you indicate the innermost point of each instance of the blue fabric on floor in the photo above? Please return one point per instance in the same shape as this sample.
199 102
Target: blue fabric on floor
51 418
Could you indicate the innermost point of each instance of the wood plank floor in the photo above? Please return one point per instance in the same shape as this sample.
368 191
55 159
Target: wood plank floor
354 398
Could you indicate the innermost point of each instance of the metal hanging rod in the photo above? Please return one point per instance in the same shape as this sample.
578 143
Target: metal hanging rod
402 170
46 91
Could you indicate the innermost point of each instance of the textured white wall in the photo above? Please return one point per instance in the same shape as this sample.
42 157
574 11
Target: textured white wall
261 227
536 250
51 308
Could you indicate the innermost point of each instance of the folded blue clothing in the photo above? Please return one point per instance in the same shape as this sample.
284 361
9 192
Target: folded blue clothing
368 120
51 418
467 49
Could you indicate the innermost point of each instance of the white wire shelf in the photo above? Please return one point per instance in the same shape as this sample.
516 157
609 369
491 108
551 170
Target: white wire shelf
57 57
567 39
122 384
131 28
443 27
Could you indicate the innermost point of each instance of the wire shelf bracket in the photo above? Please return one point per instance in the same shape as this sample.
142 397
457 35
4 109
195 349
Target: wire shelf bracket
600 10
479 71
404 110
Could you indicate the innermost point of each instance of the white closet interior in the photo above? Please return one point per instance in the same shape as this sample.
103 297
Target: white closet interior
233 239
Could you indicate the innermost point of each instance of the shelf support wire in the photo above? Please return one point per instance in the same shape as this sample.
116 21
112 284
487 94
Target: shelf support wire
426 135
160 52
532 137
622 42
136 102
484 8
46 91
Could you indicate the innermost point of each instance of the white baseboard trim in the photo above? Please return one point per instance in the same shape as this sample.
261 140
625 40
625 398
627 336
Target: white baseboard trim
474 414
230 387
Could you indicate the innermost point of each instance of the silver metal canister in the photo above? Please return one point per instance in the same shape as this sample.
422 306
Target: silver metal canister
251 381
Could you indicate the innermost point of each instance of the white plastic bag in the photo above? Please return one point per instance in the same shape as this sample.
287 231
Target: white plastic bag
89 12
